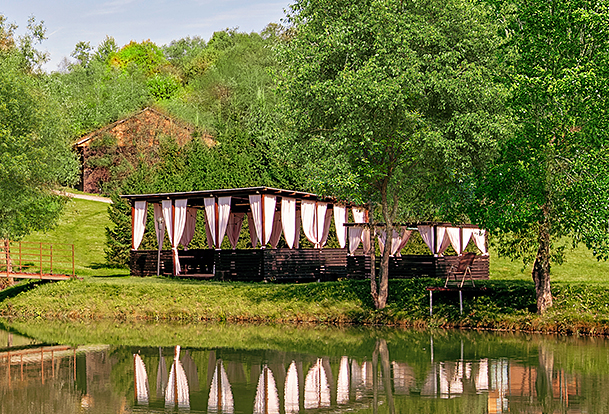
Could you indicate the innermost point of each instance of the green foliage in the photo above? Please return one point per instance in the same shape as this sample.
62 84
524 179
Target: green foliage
403 93
34 154
162 86
146 56
551 176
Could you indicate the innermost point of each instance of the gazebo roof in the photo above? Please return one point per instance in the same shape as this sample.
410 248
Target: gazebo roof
195 198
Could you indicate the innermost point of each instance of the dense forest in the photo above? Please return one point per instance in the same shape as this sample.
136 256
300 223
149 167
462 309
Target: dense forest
487 111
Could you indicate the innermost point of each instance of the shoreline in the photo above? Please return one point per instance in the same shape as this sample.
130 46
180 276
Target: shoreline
579 309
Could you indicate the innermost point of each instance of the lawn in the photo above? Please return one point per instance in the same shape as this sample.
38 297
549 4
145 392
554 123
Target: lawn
83 224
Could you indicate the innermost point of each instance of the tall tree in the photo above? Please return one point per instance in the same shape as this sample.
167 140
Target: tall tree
35 156
551 178
403 92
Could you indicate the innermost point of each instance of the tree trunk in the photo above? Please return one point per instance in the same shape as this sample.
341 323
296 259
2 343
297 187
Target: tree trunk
541 267
381 293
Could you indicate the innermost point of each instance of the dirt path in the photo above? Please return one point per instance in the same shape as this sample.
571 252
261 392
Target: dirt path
87 197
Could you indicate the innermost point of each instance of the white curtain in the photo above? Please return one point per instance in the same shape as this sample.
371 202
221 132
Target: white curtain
209 236
189 229
403 239
355 233
326 228
168 218
340 218
235 222
269 217
479 239
223 215
288 220
139 223
467 235
309 224
276 232
428 236
443 238
210 220
159 225
252 227
454 235
178 229
398 241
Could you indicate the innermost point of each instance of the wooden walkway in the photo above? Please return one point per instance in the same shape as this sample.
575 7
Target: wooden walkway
42 261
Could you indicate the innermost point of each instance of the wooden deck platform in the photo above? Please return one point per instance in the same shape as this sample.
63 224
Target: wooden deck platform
298 265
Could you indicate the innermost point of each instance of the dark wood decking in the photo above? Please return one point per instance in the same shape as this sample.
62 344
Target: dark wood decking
285 265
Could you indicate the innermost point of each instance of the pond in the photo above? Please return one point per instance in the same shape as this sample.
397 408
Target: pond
109 367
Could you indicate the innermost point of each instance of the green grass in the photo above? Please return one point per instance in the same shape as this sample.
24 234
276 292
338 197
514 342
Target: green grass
83 225
580 266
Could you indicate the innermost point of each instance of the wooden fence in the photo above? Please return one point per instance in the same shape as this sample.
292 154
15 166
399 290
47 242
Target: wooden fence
36 260
285 265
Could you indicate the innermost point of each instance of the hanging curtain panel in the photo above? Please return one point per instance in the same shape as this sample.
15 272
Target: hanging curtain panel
168 218
223 215
340 218
309 223
159 225
443 239
403 239
381 236
467 235
454 235
270 203
288 220
366 241
326 231
210 219
320 218
252 229
479 239
139 222
189 229
355 233
427 236
180 223
256 207
235 222
209 236
276 232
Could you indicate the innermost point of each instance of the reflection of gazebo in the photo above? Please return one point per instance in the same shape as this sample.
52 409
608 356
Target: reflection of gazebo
272 213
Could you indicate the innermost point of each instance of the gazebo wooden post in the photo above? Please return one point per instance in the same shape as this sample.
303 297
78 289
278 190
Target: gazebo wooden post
461 247
217 225
174 243
262 231
132 225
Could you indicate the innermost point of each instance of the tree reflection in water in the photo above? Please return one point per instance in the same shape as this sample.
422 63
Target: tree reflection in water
410 373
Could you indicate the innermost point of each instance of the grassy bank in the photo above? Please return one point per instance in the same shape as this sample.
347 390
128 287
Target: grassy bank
579 287
509 305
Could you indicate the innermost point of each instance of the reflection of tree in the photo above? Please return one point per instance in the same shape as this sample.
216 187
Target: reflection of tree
543 383
381 349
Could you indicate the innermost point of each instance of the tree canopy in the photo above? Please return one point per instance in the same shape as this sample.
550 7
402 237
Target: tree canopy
551 177
404 93
35 157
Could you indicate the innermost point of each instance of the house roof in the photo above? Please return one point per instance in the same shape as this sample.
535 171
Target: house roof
86 138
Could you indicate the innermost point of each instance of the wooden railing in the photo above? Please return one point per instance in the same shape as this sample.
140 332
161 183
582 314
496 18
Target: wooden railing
31 258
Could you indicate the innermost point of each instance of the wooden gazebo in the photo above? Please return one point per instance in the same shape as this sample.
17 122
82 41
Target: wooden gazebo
273 214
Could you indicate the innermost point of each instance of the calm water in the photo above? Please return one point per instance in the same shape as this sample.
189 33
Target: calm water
64 368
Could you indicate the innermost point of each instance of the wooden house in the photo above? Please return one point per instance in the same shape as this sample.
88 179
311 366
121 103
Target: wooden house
108 151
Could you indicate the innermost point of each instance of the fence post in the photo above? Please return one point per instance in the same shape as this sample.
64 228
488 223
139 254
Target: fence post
51 258
40 260
20 265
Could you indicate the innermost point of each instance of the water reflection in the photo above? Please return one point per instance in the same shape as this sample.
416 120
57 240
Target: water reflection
383 372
